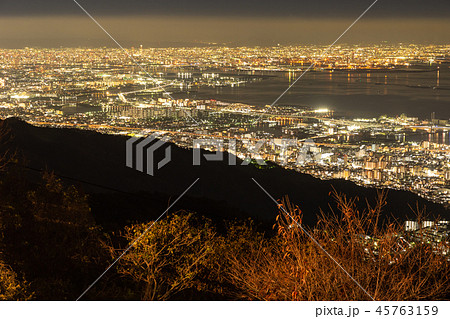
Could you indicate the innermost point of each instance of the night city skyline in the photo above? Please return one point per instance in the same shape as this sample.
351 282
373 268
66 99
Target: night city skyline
210 151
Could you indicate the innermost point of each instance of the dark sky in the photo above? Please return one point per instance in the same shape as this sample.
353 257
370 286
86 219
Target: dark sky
54 23
304 8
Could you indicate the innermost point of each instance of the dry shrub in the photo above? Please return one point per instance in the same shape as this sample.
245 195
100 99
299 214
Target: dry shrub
170 257
11 287
291 266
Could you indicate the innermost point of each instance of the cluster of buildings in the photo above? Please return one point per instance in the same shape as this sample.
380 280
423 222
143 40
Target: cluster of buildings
103 90
69 73
434 233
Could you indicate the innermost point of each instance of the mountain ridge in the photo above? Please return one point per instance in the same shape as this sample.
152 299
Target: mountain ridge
120 194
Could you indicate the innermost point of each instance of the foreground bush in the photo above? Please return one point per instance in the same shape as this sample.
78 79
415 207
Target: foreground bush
292 267
51 248
171 257
49 237
11 288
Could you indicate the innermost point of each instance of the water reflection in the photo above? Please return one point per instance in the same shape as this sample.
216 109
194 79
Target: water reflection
437 137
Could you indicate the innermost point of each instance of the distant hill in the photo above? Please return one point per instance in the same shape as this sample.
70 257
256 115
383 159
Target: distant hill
119 195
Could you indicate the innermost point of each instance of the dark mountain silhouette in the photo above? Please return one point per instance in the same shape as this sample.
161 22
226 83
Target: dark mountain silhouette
119 194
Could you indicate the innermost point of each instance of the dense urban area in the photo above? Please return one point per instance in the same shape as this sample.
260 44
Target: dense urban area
145 91
140 92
